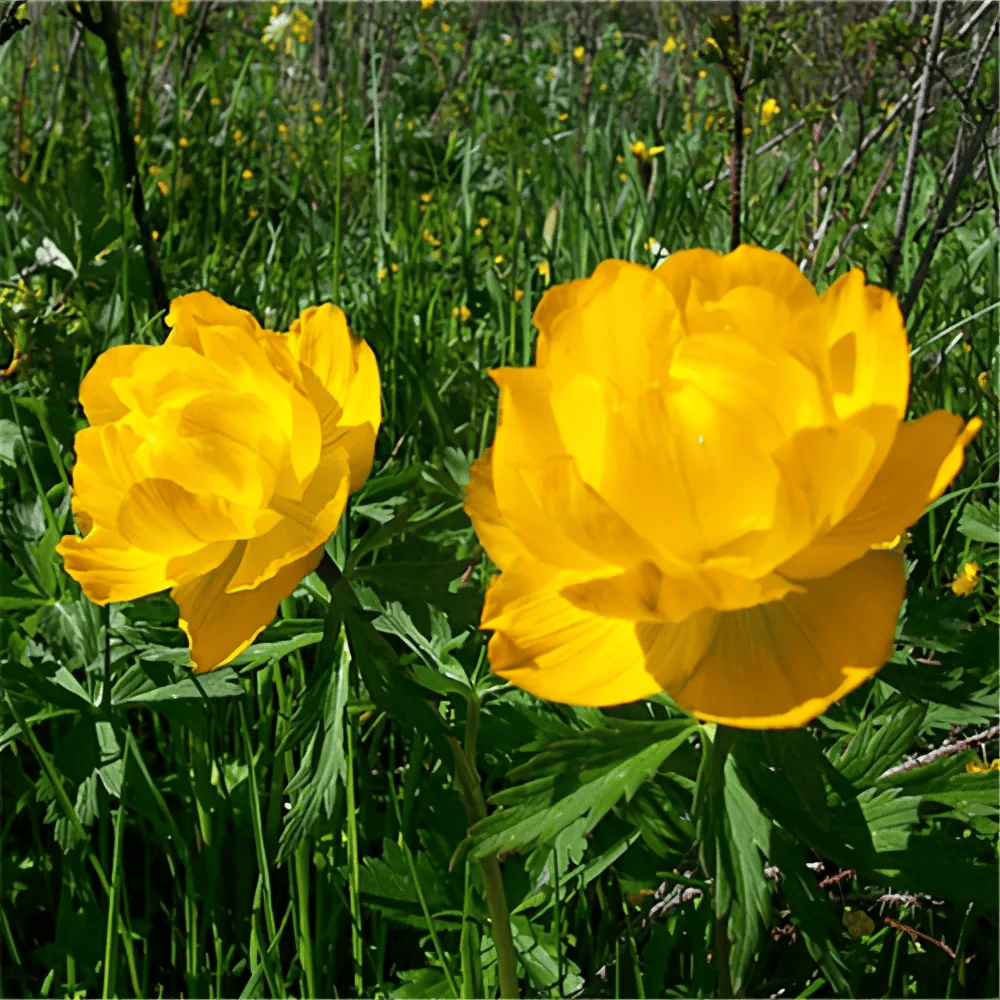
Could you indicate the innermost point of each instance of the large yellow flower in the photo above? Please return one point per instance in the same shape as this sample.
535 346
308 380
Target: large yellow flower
219 464
685 491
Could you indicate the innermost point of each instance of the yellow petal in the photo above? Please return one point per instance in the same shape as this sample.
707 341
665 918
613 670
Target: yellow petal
109 569
546 645
160 516
189 314
781 664
346 368
481 505
220 625
301 526
98 394
926 454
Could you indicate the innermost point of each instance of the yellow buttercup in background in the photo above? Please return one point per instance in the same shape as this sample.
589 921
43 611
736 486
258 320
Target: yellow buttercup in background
702 486
218 465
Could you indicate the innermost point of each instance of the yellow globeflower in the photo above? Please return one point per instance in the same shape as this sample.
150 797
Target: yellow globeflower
768 110
180 7
966 581
684 491
579 53
219 464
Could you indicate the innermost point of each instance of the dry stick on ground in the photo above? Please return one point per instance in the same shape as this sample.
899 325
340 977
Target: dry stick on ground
914 934
106 29
948 205
942 751
910 170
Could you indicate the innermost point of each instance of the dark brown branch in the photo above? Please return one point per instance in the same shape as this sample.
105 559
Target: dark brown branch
914 934
948 206
106 29
910 170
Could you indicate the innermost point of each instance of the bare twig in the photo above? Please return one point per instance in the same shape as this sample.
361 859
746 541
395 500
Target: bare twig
942 751
914 934
948 206
910 170
106 29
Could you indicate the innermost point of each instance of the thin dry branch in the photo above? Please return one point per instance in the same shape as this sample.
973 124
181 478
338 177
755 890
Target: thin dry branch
941 751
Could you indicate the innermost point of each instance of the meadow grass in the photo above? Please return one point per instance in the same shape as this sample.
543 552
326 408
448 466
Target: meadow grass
296 826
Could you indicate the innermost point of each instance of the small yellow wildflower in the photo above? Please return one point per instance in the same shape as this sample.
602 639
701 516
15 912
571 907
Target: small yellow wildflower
436 254
247 174
478 231
180 7
484 222
543 269
426 4
445 27
464 312
164 187
182 142
769 109
563 116
638 149
155 171
283 130
748 130
579 53
394 267
715 45
978 767
382 273
431 238
670 44
702 73
318 119
426 196
156 235
238 136
409 126
623 177
518 294
655 151
603 86
215 101
983 378
966 581
709 121
160 43
498 259
316 106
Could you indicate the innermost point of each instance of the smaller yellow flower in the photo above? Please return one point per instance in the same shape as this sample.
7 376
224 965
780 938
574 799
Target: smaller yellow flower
702 73
182 142
518 294
655 150
638 149
155 171
709 121
318 119
623 177
978 767
768 110
426 4
603 87
445 27
394 267
543 270
283 130
426 197
316 106
563 116
275 10
409 126
579 53
478 231
156 235
431 238
966 581
436 254
215 101
160 43
382 273
748 131
670 44
715 45
463 312
164 187
238 136
180 7
498 259
253 213
484 222
247 174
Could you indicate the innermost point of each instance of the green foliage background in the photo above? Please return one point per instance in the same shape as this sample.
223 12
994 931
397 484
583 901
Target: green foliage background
294 825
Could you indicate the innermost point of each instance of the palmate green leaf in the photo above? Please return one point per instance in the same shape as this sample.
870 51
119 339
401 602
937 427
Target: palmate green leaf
581 777
324 764
871 751
981 523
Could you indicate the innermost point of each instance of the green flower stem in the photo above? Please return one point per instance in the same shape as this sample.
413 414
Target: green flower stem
496 898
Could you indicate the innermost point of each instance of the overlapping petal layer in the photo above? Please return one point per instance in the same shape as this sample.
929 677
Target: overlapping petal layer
683 492
219 464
